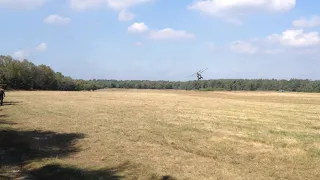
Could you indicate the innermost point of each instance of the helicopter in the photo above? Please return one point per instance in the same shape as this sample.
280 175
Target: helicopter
199 76
197 84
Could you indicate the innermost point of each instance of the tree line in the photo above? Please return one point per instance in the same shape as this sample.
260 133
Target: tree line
24 75
293 85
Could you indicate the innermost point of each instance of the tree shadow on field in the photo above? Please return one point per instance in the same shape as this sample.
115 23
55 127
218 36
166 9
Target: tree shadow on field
3 121
18 148
3 116
59 172
6 122
11 103
157 177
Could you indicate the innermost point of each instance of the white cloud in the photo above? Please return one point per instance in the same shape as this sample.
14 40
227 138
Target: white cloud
24 54
292 41
295 38
307 23
124 4
232 9
20 55
82 5
138 28
57 19
169 33
113 4
21 4
166 33
138 44
125 15
42 47
118 5
243 47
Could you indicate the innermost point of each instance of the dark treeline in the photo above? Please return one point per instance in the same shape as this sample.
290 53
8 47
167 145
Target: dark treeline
295 85
24 75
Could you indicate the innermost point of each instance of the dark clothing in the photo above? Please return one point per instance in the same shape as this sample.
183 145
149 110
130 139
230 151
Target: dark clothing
2 95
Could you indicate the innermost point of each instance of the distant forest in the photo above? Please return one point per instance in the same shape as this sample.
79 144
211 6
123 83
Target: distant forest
24 75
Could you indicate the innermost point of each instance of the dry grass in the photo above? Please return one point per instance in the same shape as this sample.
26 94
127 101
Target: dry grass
187 135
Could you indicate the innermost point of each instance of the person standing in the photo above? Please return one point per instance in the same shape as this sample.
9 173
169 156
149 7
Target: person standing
2 95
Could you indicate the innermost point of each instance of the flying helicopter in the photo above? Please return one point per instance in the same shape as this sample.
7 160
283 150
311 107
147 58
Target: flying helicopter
199 76
197 84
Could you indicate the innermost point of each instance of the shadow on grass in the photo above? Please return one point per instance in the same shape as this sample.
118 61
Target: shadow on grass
19 148
3 121
59 172
157 177
6 122
3 116
11 103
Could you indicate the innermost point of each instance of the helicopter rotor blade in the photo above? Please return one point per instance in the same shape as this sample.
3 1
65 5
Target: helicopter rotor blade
193 74
200 71
203 70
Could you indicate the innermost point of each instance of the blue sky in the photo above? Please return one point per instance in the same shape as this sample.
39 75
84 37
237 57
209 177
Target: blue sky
165 39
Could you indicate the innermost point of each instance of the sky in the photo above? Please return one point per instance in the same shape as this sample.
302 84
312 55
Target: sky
165 39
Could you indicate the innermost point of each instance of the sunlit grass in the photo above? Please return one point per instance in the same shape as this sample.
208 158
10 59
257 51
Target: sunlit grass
188 135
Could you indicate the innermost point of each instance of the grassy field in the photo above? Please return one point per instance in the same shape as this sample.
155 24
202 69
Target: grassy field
151 134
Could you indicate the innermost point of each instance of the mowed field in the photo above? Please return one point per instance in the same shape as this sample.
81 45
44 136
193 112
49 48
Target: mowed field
154 134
